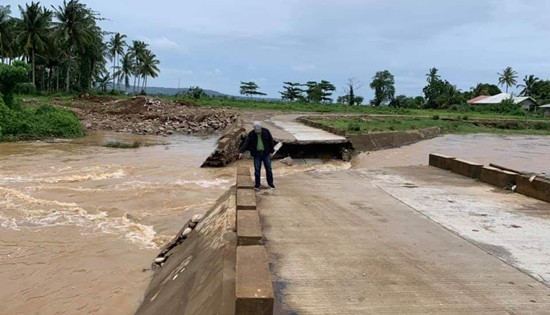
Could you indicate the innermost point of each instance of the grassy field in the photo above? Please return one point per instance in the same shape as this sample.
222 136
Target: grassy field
31 123
363 125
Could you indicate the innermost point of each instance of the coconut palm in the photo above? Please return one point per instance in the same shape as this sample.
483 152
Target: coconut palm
32 31
528 83
126 70
137 51
432 75
148 67
7 34
508 78
116 48
74 27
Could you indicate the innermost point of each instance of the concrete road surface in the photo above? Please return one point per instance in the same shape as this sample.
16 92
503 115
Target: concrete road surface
339 244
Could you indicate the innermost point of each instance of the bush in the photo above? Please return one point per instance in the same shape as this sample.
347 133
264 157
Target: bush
354 127
45 121
25 88
435 117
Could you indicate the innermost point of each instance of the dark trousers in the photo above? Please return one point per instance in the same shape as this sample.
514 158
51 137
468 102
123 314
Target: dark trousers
260 157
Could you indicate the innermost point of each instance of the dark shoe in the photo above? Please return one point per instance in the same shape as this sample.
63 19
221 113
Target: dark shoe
272 187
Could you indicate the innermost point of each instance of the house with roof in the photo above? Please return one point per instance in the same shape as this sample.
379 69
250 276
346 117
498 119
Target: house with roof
527 103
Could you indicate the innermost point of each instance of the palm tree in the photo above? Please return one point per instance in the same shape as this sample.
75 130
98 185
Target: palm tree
508 78
432 75
529 81
116 48
126 70
32 31
136 51
74 27
148 67
7 30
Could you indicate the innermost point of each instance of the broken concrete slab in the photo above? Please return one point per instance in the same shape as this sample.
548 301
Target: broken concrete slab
249 231
253 285
246 199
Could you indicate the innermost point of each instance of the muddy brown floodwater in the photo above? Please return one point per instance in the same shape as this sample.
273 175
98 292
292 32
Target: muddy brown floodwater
79 223
522 153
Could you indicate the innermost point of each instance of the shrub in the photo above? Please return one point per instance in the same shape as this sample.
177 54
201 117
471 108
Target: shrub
354 127
122 145
435 117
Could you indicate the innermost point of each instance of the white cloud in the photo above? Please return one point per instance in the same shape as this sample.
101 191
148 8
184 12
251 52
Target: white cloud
163 44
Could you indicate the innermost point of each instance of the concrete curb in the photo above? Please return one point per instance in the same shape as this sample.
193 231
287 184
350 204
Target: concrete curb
538 188
497 177
253 283
466 168
530 186
441 161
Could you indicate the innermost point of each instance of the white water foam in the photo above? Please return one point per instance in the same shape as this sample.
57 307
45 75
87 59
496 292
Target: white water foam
31 213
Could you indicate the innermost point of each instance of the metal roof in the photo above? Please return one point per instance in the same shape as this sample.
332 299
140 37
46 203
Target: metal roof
497 99
545 106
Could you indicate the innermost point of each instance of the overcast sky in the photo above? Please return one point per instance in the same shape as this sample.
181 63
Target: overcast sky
216 44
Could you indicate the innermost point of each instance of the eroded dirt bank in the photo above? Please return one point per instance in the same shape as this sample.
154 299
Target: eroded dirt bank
143 115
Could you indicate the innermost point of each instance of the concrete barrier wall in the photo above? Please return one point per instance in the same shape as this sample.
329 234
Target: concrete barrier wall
196 275
308 122
539 188
386 140
441 161
217 264
466 168
497 177
253 283
227 148
528 185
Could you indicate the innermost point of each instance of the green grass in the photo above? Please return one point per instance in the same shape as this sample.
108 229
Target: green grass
122 145
364 125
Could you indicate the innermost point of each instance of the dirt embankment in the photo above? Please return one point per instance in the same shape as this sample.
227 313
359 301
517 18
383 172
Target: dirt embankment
143 115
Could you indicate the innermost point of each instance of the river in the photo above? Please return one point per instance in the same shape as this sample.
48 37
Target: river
81 223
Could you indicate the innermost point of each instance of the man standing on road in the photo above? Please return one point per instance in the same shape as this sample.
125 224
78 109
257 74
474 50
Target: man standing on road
261 146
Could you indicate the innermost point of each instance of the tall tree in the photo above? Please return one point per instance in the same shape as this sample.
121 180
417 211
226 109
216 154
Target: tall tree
7 33
137 52
485 89
250 89
432 75
75 27
327 89
528 85
126 70
350 98
383 84
508 78
292 91
116 49
148 67
32 31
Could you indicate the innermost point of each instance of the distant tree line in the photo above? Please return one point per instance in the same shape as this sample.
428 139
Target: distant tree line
66 50
438 92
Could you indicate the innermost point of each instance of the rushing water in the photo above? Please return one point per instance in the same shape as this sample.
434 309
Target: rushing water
80 223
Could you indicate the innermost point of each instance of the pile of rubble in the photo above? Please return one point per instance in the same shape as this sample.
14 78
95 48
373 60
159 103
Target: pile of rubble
143 115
